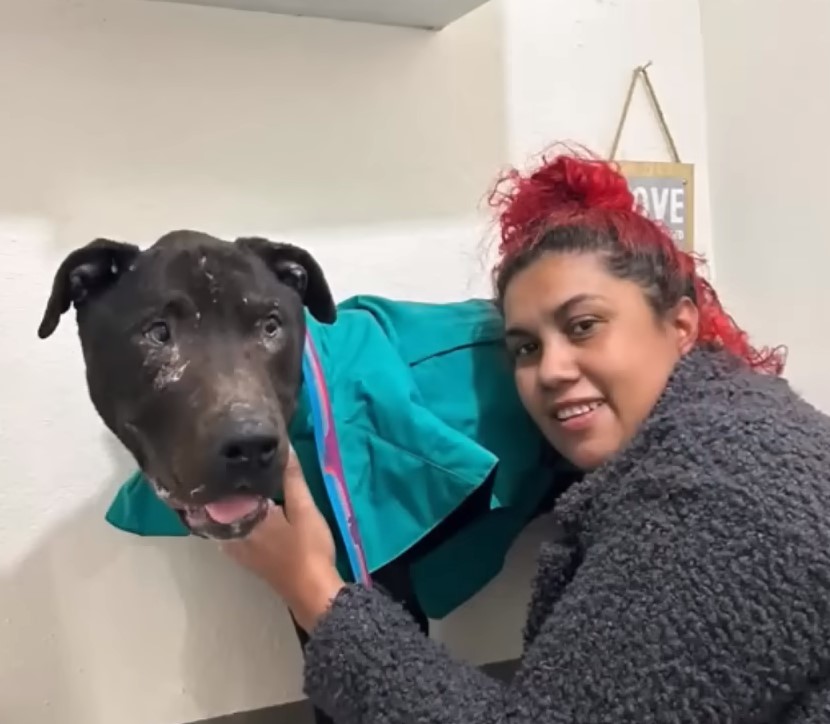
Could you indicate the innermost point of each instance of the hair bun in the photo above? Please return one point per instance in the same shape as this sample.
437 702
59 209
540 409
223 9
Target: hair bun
563 186
569 181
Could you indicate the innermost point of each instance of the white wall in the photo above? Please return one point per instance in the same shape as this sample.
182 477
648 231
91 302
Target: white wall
374 146
129 118
569 66
769 115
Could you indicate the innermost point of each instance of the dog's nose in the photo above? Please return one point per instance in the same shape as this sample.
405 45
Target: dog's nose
251 452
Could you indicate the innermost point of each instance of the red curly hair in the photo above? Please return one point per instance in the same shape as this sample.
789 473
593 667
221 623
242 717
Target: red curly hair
574 202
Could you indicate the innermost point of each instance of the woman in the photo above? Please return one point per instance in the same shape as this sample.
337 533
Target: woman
688 574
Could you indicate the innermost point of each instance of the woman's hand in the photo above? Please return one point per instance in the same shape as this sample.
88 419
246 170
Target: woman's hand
292 549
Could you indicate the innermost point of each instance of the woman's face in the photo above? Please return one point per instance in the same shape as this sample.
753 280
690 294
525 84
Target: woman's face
591 356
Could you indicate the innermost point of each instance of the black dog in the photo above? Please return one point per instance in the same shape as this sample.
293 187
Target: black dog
193 352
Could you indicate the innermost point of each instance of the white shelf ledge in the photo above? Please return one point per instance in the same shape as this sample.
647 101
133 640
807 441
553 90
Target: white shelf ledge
428 14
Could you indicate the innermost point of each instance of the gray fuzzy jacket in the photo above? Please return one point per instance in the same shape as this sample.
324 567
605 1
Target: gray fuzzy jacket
687 580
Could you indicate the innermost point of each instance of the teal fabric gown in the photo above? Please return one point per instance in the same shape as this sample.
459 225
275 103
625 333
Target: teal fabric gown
426 413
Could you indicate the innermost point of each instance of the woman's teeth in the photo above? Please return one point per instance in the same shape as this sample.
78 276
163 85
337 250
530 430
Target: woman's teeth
566 413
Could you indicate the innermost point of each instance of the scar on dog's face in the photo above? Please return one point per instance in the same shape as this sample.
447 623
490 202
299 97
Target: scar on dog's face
193 354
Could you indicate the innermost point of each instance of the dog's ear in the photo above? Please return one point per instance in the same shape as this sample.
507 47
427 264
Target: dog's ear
82 274
296 268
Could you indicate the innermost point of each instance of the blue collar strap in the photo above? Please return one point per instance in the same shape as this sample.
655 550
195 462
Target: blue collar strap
331 465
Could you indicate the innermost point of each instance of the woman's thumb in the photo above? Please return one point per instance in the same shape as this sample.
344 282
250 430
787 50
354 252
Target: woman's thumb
295 489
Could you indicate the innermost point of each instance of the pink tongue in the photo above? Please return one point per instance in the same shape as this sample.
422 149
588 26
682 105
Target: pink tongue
232 508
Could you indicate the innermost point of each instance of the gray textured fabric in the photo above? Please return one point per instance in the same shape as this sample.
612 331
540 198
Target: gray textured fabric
687 580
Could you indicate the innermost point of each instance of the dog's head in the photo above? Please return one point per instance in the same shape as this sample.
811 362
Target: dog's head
193 353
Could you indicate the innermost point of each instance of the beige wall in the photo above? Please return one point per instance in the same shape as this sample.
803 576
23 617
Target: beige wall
769 111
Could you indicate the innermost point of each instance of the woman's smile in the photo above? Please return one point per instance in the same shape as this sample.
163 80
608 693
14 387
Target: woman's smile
577 415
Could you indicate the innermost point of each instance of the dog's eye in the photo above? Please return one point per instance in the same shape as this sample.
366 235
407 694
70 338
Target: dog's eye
158 332
271 325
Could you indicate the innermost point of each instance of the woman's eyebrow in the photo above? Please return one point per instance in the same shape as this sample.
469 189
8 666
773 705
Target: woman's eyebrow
559 314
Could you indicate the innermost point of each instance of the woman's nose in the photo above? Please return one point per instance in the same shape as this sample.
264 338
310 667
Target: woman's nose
558 365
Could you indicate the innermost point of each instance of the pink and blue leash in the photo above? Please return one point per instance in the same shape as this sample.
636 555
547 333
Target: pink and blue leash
331 464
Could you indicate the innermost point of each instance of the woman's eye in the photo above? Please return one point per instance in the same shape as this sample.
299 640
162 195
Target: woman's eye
525 350
582 327
271 325
158 333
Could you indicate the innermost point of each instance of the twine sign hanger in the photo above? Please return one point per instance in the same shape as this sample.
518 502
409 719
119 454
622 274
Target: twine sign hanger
664 189
641 73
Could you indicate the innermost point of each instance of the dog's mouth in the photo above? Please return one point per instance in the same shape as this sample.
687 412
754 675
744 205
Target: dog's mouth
233 516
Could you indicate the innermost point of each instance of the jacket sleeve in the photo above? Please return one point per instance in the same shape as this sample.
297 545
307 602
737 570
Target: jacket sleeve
683 609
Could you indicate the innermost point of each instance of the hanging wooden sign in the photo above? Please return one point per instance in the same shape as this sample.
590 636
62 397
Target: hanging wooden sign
664 190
